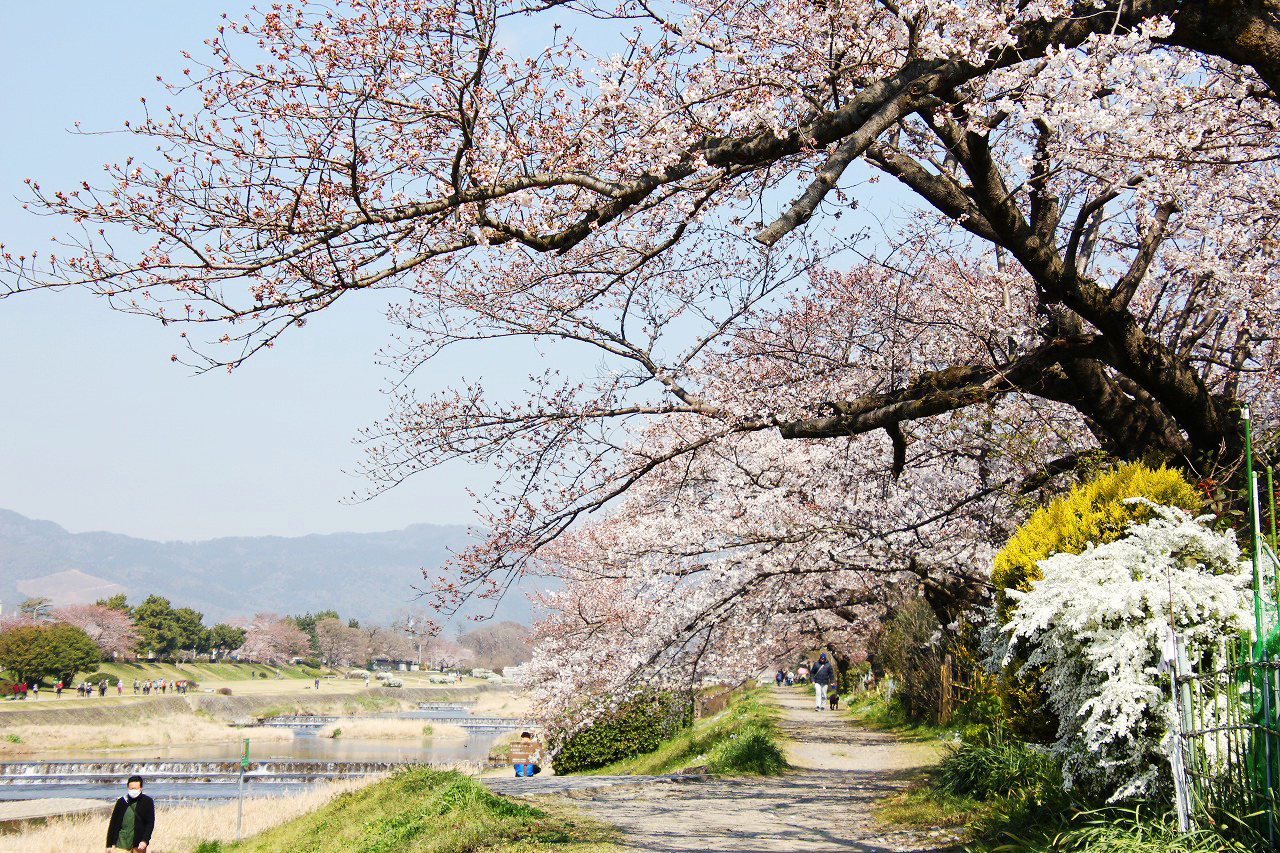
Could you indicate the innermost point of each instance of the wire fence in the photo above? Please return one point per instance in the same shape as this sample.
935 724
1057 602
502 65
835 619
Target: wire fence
1229 734
1226 755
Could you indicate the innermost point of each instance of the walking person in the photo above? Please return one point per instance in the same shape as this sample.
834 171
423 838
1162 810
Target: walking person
823 677
132 819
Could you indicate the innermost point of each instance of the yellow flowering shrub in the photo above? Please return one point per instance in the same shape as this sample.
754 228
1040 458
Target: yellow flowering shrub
1091 512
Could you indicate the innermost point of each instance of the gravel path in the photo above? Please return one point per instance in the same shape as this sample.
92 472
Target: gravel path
822 804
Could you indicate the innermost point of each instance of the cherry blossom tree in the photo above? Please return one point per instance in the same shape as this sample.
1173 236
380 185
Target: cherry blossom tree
273 640
337 643
1082 255
754 548
110 629
380 641
446 653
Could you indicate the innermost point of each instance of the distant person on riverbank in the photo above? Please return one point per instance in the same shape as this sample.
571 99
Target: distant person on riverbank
823 677
57 690
136 685
132 819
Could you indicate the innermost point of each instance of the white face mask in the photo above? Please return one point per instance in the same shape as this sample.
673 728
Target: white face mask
133 793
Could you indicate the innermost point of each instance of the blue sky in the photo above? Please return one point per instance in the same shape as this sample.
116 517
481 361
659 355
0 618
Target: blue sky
101 431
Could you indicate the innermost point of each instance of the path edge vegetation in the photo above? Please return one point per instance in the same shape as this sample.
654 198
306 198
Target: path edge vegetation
441 811
742 739
1001 779
421 809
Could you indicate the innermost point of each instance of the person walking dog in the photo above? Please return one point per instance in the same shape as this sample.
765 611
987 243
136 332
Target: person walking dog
823 676
132 819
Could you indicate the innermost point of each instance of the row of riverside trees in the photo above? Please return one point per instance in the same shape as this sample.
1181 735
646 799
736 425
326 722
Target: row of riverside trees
56 642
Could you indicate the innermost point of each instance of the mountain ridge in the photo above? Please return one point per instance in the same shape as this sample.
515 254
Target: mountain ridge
367 576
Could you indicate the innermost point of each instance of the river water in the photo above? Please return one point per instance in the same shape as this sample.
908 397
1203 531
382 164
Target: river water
187 772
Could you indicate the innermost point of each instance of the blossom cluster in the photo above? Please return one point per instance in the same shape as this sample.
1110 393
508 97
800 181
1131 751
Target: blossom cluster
1094 628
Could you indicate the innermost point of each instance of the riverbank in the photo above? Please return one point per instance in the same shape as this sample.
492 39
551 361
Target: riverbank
240 680
52 726
180 829
444 812
412 809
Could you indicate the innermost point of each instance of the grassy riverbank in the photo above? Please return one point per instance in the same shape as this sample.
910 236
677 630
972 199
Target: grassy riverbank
202 672
52 725
743 738
167 729
419 810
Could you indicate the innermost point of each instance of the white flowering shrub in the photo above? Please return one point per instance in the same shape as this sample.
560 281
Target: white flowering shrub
1095 624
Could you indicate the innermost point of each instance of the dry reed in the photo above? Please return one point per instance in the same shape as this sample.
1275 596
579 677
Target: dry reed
502 703
182 827
160 731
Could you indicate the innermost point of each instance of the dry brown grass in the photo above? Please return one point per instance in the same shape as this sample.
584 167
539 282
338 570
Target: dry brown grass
178 828
501 703
367 728
161 731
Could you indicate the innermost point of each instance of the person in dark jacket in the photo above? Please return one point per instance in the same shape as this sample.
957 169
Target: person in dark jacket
132 820
823 677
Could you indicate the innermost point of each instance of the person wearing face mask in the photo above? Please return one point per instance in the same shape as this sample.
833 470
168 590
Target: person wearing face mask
132 819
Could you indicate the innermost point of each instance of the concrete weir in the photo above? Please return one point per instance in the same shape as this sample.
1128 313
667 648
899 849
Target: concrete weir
111 772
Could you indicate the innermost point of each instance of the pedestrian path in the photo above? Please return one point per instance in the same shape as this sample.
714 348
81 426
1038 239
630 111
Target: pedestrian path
822 804
571 785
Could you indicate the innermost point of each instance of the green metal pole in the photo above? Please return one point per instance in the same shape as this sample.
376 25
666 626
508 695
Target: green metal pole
244 765
1271 496
1250 495
1275 574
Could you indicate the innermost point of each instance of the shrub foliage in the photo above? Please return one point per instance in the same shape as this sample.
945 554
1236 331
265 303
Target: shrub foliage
1094 512
636 727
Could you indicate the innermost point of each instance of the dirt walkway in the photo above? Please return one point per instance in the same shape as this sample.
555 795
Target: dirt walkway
822 804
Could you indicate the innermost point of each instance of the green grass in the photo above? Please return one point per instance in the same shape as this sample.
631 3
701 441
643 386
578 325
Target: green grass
419 810
741 739
341 703
997 770
973 789
198 672
922 804
1136 830
874 712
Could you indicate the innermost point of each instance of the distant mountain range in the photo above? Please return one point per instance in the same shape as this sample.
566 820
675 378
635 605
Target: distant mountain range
368 576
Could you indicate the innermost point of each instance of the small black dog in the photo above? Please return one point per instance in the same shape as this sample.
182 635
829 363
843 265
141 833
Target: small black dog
833 699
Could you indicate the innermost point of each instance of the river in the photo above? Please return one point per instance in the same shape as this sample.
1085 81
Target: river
211 771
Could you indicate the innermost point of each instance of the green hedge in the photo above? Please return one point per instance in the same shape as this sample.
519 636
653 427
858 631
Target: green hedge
637 727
